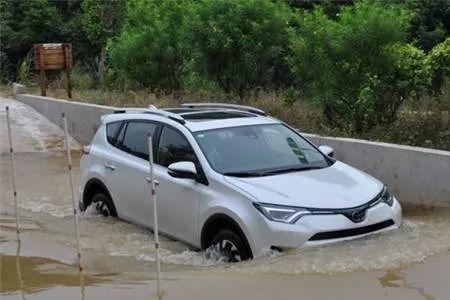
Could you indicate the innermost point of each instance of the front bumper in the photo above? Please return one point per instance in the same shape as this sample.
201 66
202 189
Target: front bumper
301 233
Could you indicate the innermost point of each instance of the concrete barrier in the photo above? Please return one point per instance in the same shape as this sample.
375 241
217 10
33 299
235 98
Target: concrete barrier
82 118
415 175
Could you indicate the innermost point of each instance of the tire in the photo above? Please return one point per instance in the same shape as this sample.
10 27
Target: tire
230 246
104 205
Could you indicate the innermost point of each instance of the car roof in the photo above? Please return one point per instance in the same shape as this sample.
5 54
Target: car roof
197 117
232 122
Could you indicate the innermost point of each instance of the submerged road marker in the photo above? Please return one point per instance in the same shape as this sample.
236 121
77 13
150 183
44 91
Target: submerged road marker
69 167
13 174
153 183
19 271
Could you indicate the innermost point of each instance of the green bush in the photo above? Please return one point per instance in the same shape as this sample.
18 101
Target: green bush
349 65
439 60
290 96
82 80
151 49
24 70
241 44
412 70
195 81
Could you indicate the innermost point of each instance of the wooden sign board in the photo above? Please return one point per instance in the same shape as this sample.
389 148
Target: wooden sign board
53 57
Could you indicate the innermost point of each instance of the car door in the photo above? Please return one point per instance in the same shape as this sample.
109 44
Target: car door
178 198
129 169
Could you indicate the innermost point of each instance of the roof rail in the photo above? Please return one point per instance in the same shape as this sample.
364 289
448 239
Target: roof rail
130 110
175 117
225 106
151 110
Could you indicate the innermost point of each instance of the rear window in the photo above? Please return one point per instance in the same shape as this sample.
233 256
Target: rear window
111 132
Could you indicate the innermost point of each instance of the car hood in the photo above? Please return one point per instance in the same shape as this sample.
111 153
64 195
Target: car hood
337 186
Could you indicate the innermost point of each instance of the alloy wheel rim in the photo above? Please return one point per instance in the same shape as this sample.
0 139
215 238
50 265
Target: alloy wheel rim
229 250
102 208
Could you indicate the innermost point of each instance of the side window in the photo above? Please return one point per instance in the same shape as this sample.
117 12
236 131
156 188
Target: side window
135 138
121 134
173 147
111 132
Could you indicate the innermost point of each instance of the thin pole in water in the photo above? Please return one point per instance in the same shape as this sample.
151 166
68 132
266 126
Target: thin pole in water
19 271
13 174
69 166
153 184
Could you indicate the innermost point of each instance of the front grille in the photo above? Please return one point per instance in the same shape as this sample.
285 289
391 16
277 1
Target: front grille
327 235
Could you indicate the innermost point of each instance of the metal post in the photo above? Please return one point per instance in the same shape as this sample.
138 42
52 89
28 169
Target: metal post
153 184
69 165
83 294
13 174
19 271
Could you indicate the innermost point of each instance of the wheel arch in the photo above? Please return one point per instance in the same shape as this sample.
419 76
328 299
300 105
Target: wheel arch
91 187
219 221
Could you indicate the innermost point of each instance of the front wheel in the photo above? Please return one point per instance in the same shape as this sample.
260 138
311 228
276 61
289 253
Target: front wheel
104 205
229 246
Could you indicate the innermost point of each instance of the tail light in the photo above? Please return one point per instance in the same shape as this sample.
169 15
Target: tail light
86 149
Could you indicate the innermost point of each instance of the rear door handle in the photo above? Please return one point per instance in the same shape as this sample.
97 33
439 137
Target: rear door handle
149 180
110 167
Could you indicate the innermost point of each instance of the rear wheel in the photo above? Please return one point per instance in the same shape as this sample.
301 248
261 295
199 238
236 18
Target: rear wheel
104 205
230 246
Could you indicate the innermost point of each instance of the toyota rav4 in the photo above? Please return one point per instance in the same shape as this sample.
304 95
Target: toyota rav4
230 178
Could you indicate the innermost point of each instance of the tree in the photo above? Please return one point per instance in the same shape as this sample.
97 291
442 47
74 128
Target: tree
356 65
24 23
430 23
101 20
439 59
152 48
71 31
241 44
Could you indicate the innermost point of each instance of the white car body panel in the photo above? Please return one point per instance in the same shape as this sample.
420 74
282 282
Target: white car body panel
338 186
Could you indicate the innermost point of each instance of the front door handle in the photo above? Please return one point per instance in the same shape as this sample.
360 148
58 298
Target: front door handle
110 167
149 180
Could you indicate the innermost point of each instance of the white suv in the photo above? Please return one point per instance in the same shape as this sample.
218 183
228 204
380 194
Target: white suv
230 178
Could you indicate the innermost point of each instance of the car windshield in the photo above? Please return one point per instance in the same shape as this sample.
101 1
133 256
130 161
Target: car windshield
258 150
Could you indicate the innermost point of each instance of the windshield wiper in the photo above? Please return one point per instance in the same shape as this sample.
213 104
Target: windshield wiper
244 174
292 169
271 172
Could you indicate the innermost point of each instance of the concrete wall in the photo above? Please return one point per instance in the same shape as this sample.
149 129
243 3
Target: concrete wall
82 118
415 175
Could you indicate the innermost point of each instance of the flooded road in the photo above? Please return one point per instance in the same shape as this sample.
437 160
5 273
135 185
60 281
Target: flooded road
410 263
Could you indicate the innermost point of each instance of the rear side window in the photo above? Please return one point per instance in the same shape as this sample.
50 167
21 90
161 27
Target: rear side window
174 147
135 138
112 131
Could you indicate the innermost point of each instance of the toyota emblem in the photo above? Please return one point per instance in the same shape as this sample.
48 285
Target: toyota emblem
358 216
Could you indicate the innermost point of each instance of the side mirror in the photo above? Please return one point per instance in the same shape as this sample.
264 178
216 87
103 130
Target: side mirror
327 150
183 169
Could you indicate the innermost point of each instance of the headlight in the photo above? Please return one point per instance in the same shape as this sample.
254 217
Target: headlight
386 197
284 214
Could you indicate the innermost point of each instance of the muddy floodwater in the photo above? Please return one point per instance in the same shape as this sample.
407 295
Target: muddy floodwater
412 262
